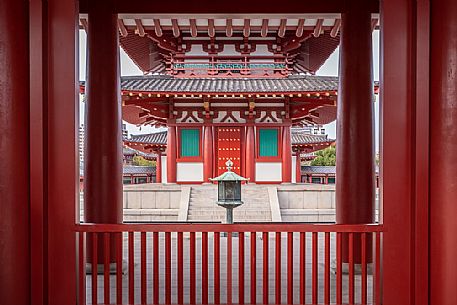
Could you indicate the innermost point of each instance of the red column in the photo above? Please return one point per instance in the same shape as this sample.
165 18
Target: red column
298 167
355 184
103 143
443 153
207 153
159 167
14 152
286 155
250 153
171 154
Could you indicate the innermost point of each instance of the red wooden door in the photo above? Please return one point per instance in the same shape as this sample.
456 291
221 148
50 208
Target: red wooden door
228 147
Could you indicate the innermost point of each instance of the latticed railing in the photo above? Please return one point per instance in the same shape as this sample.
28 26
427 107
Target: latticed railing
274 263
229 65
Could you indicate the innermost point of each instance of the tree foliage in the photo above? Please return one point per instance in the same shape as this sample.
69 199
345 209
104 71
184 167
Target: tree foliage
140 161
325 157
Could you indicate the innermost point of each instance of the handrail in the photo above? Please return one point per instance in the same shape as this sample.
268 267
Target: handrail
238 227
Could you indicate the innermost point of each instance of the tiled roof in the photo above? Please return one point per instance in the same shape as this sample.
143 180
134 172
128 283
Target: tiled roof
300 136
135 170
130 151
294 83
308 169
151 138
314 169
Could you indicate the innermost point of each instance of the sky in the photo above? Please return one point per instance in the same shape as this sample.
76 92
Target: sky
330 68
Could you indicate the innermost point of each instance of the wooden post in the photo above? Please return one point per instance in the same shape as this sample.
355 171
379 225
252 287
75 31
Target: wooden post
355 126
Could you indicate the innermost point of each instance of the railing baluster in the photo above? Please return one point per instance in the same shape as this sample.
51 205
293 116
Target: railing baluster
180 268
290 268
143 268
156 271
302 267
327 269
217 268
229 267
101 237
192 268
204 267
339 269
253 267
278 268
241 268
131 240
364 268
315 266
82 268
106 252
119 237
351 268
377 268
265 236
167 267
94 268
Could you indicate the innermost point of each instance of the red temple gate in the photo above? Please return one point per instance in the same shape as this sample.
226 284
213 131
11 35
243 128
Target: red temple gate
229 148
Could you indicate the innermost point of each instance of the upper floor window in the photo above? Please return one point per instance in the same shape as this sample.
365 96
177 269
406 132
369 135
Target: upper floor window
190 142
268 142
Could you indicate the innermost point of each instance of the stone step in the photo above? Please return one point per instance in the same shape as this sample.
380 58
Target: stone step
202 204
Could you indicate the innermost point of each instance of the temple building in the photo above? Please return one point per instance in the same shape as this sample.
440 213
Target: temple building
255 122
228 80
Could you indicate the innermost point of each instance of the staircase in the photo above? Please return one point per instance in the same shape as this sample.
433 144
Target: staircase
203 207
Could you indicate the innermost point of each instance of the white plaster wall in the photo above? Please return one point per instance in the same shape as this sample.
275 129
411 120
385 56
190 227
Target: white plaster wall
268 171
164 169
189 171
294 171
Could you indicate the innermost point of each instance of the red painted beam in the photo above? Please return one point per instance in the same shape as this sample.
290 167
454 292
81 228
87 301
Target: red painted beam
236 7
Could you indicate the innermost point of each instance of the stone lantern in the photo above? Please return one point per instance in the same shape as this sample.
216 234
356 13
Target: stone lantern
229 191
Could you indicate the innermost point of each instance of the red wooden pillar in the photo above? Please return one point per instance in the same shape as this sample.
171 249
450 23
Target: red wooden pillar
355 191
159 167
103 143
298 167
207 153
171 154
286 155
14 152
250 153
443 152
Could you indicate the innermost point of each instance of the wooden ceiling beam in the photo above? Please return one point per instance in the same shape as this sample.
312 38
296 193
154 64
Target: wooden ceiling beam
158 28
235 7
282 28
247 28
211 28
318 27
175 27
336 28
139 28
300 28
122 29
193 27
264 30
229 28
374 23
84 24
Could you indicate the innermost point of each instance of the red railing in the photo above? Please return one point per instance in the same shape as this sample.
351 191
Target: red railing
228 264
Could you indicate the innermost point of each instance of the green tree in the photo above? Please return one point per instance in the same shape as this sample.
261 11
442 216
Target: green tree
140 161
325 157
